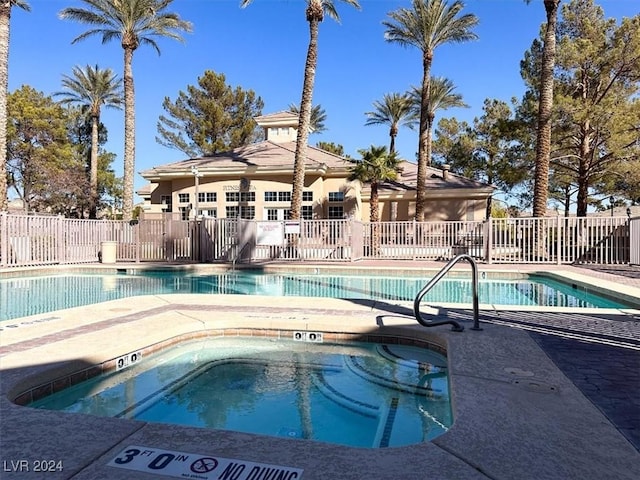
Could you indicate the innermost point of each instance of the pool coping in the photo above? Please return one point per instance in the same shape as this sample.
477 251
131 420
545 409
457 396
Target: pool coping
542 425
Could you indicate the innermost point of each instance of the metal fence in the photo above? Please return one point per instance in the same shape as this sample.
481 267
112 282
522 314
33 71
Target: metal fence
27 240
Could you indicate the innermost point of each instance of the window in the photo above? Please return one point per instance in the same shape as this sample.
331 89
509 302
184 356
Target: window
209 212
307 212
276 214
184 213
284 196
183 198
232 196
270 196
307 196
207 197
272 214
336 196
166 203
336 213
247 196
233 211
248 213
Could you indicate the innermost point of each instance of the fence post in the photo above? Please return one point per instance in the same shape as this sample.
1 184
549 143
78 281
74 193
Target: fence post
559 236
488 235
60 231
136 236
413 239
4 239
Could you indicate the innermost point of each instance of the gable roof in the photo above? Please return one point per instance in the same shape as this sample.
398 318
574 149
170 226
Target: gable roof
263 156
271 157
408 180
283 117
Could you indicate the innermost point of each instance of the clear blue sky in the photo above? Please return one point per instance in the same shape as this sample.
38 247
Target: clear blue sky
263 47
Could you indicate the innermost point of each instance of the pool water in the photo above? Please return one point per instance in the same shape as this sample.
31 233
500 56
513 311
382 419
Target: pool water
356 394
24 296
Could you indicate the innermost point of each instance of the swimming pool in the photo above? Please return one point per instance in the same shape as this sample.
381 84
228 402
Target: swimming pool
24 296
358 394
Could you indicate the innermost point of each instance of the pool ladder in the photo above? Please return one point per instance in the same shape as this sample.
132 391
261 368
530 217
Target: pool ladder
456 327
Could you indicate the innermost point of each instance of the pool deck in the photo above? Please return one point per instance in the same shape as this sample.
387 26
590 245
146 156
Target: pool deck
538 393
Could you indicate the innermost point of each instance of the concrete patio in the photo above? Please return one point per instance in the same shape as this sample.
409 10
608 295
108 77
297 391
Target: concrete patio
518 415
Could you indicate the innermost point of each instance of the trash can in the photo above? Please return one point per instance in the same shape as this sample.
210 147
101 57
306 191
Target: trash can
108 252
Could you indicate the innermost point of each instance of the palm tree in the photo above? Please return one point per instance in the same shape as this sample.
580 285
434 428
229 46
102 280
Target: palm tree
377 166
5 21
318 117
91 88
545 105
394 110
315 12
133 22
441 97
427 25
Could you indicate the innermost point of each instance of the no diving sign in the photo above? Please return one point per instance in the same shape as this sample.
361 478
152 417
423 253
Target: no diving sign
200 467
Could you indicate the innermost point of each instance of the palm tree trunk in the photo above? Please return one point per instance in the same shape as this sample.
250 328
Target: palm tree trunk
393 133
543 135
423 159
93 168
5 15
129 136
304 120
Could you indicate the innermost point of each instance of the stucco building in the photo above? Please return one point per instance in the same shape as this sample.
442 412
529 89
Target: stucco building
255 182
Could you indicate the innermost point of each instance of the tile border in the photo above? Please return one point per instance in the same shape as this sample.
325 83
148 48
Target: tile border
57 383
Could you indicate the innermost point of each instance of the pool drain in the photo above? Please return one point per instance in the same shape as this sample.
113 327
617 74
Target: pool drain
535 386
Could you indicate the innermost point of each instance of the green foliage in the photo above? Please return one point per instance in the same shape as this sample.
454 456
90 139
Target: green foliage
442 96
454 144
92 88
23 4
43 169
133 23
79 132
395 110
318 117
596 105
489 151
210 117
331 147
109 188
427 25
499 211
376 166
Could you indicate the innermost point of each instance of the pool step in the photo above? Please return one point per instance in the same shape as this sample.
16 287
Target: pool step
421 387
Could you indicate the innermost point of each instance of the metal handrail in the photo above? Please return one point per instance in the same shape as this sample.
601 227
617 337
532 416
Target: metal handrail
474 278
238 255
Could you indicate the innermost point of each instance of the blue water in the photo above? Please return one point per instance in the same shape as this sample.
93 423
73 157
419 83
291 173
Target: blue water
356 394
23 296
